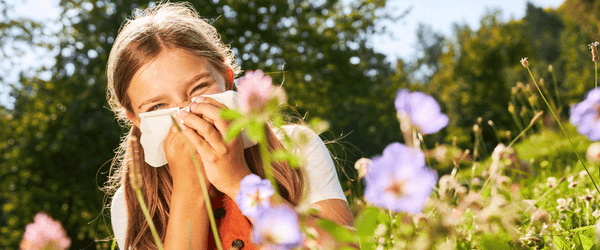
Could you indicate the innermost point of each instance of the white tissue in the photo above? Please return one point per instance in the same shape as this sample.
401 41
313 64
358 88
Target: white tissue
155 127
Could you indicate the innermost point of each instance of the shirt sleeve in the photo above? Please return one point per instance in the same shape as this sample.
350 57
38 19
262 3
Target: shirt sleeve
118 219
320 177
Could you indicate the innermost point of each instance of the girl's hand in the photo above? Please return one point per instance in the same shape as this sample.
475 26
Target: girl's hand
224 163
179 150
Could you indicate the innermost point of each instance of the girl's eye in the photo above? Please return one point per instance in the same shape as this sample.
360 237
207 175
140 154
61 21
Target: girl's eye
200 87
157 106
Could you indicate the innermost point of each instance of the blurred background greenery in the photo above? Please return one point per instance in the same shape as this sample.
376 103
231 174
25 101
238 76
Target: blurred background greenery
58 140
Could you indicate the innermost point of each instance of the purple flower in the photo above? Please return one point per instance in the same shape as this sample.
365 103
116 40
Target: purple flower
254 88
423 111
277 228
399 180
44 233
585 115
253 196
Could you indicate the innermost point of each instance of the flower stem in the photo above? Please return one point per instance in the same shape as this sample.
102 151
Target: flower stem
556 92
563 130
138 192
266 162
533 120
211 216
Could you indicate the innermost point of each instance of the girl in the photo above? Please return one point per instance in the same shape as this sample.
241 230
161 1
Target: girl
162 59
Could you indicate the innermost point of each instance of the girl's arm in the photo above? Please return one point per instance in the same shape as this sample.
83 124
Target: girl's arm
188 221
188 216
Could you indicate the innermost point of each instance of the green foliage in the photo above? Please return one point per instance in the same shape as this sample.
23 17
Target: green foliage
59 139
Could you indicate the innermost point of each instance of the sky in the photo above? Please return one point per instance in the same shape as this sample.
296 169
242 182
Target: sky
440 15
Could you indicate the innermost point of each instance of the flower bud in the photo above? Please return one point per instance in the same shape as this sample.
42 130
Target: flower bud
536 117
511 108
134 172
550 68
524 62
594 48
362 165
476 128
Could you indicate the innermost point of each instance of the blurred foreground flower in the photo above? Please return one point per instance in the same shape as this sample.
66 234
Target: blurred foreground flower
362 165
44 234
593 153
254 88
399 180
586 117
422 110
254 195
277 228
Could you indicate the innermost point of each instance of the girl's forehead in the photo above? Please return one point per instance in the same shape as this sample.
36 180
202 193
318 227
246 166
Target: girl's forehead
172 67
171 71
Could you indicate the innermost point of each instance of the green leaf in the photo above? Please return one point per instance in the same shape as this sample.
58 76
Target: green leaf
278 120
234 129
583 242
256 131
559 243
282 155
338 232
229 114
495 243
367 222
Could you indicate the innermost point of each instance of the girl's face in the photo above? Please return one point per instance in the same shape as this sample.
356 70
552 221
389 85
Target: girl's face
171 80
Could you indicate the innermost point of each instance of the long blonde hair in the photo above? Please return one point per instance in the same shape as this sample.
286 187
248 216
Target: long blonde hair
141 39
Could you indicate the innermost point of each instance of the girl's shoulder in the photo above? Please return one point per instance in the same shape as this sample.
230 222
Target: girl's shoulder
297 137
118 216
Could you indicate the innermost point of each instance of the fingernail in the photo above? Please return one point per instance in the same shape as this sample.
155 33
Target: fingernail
199 99
183 113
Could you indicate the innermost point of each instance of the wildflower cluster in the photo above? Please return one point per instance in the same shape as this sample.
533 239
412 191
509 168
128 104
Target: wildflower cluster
274 226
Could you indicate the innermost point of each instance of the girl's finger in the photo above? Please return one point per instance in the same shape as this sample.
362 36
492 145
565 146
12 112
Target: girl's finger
204 129
200 143
209 110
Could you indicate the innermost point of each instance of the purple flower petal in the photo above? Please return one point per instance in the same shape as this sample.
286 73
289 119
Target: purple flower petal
254 195
585 115
277 228
399 180
424 112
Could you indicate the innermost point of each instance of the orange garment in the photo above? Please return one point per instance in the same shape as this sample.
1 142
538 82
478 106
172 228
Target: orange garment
233 227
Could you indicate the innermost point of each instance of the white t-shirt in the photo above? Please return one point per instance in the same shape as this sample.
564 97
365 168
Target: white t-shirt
320 178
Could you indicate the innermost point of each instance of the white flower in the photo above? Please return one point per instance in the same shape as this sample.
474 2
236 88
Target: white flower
551 182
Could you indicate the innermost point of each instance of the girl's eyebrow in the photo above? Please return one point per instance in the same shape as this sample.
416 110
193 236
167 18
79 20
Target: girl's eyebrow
196 78
187 86
156 98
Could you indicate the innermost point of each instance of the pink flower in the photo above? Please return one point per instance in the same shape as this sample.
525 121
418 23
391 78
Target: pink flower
254 88
44 233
